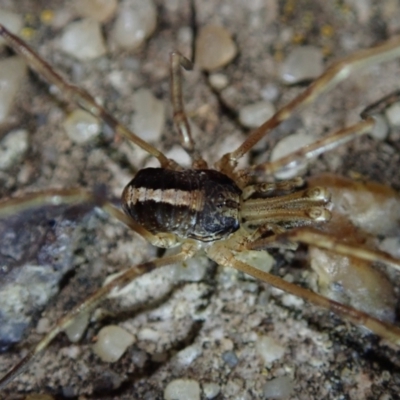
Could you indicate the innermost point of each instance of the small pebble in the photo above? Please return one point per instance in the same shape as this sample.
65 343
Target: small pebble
211 390
81 127
269 349
149 118
288 145
254 115
112 343
230 358
135 22
83 40
393 114
192 270
363 9
99 10
186 356
391 245
43 326
214 48
178 154
278 388
381 129
182 389
270 92
258 259
12 21
13 147
12 73
218 81
302 63
149 334
76 330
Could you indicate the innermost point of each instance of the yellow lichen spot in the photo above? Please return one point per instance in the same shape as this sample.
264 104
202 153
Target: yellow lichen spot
346 9
327 31
308 20
29 19
278 55
288 9
327 50
27 33
46 16
298 38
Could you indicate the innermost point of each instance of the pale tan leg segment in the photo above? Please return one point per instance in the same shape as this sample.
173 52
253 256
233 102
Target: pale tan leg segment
330 78
181 121
78 96
188 249
56 197
313 150
381 105
319 239
224 256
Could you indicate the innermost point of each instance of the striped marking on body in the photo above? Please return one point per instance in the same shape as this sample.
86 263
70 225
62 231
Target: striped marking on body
193 199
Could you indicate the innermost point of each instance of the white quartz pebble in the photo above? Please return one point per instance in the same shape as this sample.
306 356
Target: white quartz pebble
12 21
182 389
253 115
81 127
83 40
302 63
269 349
211 390
381 129
99 10
218 81
76 330
12 72
13 147
278 388
112 343
287 145
393 114
149 118
135 22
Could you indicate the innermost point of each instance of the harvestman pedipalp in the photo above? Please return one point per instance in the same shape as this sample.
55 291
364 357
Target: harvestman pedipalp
225 208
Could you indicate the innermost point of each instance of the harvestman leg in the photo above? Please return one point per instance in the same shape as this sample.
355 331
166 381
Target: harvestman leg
381 105
79 96
189 248
314 149
223 255
330 78
181 121
53 197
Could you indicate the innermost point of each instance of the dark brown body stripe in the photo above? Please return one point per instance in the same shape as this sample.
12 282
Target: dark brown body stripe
202 204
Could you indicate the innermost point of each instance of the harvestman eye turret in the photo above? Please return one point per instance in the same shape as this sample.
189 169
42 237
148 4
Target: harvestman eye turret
223 207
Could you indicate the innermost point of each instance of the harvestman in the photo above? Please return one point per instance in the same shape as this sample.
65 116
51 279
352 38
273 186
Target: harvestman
225 208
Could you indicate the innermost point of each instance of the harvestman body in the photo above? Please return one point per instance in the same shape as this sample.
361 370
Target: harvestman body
222 210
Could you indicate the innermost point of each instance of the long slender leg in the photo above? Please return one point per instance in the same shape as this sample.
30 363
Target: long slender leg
224 256
319 239
188 249
181 121
78 96
331 77
381 105
313 150
54 197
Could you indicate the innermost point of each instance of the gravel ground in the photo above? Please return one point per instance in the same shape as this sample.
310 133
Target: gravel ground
209 327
